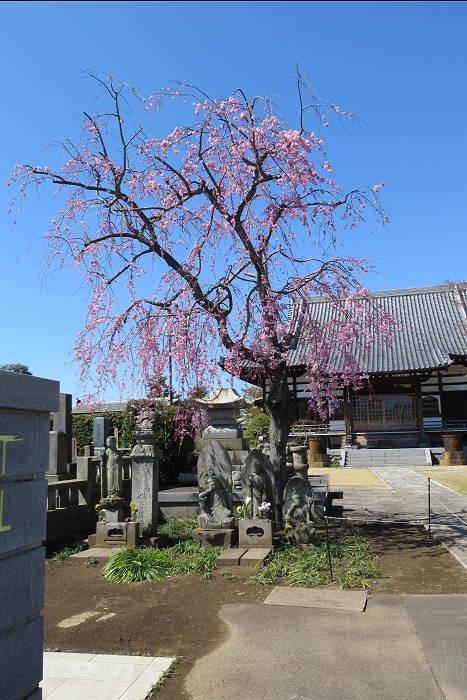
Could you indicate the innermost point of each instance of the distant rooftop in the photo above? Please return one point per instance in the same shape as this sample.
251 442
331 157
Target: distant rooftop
100 407
432 323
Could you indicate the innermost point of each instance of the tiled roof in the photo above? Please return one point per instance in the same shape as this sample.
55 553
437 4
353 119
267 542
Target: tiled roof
432 323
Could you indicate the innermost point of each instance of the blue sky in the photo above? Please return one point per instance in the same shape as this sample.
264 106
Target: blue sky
401 66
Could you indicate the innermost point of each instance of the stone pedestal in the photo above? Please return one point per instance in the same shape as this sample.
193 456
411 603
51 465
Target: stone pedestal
111 534
318 461
216 538
255 532
453 459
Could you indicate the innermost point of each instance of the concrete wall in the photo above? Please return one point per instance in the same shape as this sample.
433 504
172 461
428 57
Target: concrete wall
25 406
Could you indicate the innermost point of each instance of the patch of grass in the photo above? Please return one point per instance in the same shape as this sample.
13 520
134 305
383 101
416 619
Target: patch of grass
227 575
353 562
178 528
457 481
196 559
65 553
166 674
132 565
346 476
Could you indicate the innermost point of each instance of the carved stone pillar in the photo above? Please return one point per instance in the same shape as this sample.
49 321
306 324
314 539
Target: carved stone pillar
145 474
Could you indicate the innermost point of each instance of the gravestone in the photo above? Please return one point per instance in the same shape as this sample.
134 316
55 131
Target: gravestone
100 433
60 437
25 406
145 474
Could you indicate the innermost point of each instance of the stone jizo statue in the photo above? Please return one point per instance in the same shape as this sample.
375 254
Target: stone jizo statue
111 473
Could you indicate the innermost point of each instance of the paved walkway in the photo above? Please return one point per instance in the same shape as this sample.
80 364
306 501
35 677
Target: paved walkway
100 676
405 500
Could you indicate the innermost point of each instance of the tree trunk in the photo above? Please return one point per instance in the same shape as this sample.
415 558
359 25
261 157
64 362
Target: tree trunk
277 407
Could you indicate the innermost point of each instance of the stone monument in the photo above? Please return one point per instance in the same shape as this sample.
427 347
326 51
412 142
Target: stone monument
223 411
145 474
25 406
298 511
111 528
60 440
216 519
259 481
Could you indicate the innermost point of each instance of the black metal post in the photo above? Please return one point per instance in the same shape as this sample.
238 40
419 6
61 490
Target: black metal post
429 508
328 543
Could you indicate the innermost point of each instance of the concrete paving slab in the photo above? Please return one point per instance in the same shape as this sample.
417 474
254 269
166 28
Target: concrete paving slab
255 556
441 624
334 599
277 651
231 556
101 554
100 676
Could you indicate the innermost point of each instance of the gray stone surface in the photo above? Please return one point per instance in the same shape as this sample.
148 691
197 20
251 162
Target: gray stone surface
216 458
226 537
259 480
24 441
21 595
145 474
58 453
28 393
24 513
334 599
25 406
255 556
144 492
109 534
21 660
299 511
61 419
231 557
100 431
255 532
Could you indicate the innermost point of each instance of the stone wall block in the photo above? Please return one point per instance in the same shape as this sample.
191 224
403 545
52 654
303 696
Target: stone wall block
24 513
22 659
21 596
27 453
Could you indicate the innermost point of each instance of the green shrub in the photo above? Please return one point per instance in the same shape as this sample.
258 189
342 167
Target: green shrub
258 423
131 565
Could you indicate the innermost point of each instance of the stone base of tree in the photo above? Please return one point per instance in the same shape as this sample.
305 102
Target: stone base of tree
216 538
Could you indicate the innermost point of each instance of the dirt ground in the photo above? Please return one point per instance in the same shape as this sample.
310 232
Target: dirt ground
178 616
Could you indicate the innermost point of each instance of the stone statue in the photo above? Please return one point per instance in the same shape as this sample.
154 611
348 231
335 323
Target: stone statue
111 474
259 482
146 436
257 489
215 513
298 511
